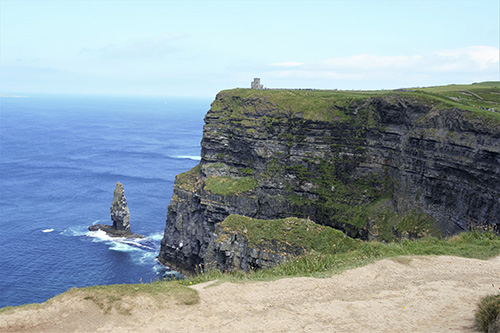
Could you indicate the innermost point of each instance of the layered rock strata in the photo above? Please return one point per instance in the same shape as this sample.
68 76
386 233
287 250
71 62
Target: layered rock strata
230 250
245 243
374 166
120 214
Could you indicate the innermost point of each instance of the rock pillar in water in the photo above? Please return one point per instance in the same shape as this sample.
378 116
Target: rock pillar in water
119 210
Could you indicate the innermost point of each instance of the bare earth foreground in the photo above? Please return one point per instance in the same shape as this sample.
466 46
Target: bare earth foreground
405 294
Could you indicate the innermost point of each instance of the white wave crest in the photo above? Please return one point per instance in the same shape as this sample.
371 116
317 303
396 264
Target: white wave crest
191 157
156 237
143 251
122 247
75 231
100 236
122 244
137 244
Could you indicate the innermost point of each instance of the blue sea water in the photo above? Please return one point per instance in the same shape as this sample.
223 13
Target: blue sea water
60 159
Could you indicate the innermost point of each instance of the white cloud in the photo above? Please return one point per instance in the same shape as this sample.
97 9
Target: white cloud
367 61
287 64
142 48
448 66
314 74
468 58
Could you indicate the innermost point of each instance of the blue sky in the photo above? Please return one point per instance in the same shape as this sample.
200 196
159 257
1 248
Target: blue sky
197 48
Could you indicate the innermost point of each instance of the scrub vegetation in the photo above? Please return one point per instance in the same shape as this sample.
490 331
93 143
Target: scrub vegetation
225 185
487 313
119 297
292 231
355 253
483 99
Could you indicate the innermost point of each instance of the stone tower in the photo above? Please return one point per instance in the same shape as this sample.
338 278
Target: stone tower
256 84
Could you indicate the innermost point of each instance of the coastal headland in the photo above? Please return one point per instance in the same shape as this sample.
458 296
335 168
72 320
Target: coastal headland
373 165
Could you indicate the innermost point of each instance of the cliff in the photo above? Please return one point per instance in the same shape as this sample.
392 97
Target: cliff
380 165
245 243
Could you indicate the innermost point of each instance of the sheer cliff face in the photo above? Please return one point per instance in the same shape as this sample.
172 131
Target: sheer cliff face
383 166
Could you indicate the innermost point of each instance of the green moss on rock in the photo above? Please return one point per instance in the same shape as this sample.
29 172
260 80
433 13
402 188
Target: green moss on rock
189 180
416 224
225 185
291 231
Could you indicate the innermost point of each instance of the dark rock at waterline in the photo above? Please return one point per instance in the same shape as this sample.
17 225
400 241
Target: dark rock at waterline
113 232
120 216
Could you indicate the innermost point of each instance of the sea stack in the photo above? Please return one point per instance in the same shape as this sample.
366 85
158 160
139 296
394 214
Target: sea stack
120 216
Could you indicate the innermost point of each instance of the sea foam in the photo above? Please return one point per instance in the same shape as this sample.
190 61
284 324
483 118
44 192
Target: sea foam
191 157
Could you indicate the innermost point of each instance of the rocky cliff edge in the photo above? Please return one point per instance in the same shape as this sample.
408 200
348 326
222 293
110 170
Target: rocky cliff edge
381 165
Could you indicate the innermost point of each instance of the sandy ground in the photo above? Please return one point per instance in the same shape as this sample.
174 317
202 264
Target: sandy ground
406 294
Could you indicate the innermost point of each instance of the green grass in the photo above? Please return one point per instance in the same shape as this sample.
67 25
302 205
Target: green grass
108 297
32 306
330 105
321 105
471 97
292 231
118 296
225 185
474 244
189 180
487 311
462 87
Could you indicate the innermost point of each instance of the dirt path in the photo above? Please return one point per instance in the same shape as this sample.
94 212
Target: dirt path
406 294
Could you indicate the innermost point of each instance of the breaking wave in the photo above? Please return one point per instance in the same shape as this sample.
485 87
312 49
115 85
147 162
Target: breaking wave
191 157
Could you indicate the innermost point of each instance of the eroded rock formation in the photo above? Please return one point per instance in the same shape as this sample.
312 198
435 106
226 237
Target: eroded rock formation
120 216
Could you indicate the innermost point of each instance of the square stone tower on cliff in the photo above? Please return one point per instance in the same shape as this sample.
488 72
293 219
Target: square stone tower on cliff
256 84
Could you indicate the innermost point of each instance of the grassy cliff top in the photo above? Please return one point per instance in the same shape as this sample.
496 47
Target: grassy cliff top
292 231
479 97
483 99
322 105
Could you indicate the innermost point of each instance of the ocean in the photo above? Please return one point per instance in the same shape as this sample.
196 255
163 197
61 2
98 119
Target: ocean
60 159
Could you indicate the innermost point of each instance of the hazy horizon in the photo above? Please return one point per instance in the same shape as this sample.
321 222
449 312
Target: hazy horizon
197 48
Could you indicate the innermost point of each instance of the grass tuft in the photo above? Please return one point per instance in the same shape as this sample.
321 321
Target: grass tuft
292 231
225 185
189 180
487 313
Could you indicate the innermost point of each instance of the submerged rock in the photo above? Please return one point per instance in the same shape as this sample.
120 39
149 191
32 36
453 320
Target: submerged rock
120 216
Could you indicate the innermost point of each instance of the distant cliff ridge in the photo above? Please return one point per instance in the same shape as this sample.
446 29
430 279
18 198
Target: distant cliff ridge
380 165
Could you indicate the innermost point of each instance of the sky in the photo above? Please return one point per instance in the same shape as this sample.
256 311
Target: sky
198 48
